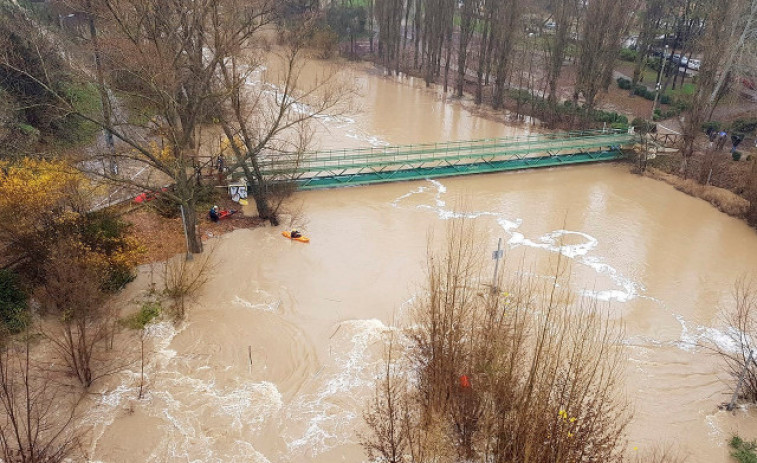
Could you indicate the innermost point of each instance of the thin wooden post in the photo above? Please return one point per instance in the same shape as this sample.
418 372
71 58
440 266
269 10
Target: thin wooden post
741 382
496 255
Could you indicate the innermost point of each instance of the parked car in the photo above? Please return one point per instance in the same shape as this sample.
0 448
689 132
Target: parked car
694 64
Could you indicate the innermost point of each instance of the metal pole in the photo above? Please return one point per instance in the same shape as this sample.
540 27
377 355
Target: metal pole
741 381
186 235
497 255
658 87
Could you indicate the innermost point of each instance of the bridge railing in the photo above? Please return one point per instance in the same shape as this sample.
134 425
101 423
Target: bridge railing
488 147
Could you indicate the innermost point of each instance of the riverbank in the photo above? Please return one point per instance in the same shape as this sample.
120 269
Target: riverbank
163 237
725 200
730 186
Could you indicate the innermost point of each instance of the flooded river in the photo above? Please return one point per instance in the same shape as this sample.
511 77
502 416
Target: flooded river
276 358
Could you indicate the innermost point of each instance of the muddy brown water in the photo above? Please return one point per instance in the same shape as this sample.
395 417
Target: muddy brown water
276 358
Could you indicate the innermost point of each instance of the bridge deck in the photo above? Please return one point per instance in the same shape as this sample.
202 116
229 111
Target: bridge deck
331 168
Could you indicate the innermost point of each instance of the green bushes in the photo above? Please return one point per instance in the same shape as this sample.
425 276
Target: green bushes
608 116
623 83
14 315
627 54
568 108
107 235
644 92
71 129
744 125
743 451
642 125
711 126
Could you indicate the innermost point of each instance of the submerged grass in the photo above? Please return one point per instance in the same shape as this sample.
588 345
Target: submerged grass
743 451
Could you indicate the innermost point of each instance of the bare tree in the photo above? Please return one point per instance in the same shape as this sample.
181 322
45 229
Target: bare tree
72 292
167 60
269 122
139 322
741 321
527 374
39 417
564 14
183 279
387 417
605 22
650 23
747 24
720 15
509 19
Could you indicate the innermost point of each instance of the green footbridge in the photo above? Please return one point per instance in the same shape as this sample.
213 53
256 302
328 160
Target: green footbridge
334 168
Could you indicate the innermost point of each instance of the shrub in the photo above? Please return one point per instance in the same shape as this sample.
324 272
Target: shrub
644 92
743 451
714 125
665 99
627 54
736 155
681 105
642 125
72 129
744 125
107 235
14 314
623 83
325 41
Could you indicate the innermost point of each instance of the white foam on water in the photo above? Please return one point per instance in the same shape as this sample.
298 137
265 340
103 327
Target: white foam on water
551 242
104 412
329 412
695 336
185 403
161 334
419 190
265 306
372 140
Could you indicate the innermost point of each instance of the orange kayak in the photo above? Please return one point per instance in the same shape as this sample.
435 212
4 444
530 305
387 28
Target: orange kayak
301 239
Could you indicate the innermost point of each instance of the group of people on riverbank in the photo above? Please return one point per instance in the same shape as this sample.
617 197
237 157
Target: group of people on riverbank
718 139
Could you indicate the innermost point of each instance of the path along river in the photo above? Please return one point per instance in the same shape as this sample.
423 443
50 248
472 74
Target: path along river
276 358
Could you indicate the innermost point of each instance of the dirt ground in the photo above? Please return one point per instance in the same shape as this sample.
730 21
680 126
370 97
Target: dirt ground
164 237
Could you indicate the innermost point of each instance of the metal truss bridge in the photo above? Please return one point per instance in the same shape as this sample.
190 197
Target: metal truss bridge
334 168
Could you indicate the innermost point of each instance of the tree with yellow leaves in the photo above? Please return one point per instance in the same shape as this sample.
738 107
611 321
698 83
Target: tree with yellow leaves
42 202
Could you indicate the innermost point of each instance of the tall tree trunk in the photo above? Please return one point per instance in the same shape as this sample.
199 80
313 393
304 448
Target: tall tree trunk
481 63
734 51
194 243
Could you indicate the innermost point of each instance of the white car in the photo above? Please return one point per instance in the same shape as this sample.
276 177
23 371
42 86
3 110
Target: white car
694 64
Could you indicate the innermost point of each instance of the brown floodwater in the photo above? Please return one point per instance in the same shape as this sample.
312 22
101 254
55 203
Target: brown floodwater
276 359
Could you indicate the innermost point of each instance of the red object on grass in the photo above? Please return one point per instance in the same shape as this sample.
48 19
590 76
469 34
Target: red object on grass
148 196
224 214
464 382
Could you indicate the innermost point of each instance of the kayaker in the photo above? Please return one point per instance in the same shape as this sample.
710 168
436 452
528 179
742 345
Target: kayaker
213 214
295 234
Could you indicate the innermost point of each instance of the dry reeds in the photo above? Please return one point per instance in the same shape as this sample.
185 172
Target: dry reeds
525 374
726 201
